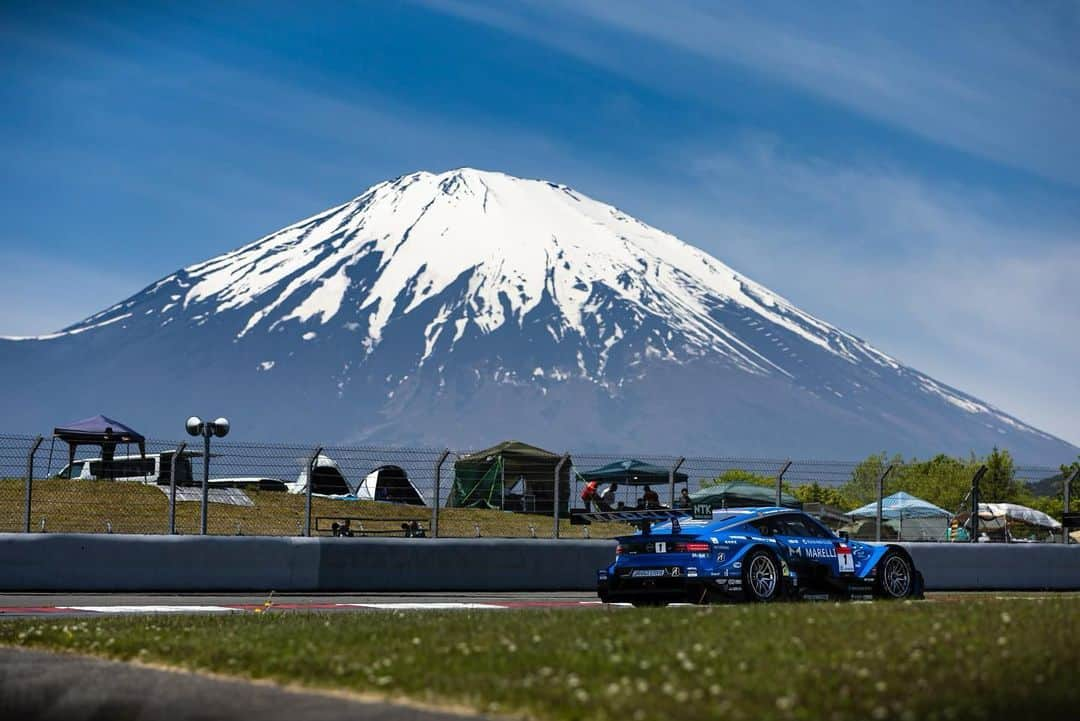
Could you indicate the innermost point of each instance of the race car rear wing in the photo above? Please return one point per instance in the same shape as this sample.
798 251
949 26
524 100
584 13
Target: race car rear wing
644 518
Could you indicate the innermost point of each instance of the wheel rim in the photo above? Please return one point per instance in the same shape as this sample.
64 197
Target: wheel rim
897 577
762 577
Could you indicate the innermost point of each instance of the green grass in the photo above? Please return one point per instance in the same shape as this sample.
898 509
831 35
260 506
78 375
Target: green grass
986 659
86 507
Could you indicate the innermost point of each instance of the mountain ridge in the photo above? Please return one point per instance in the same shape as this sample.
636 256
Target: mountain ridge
437 287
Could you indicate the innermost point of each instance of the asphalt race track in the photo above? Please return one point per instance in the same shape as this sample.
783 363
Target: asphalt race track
38 685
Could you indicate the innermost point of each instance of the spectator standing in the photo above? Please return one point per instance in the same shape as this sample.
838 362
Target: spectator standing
683 501
588 495
607 500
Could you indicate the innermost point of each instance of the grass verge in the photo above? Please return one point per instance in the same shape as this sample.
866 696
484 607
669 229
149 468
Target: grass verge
86 507
990 658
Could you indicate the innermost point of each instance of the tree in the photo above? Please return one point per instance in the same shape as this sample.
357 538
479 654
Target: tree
942 480
1073 467
1000 483
862 488
817 493
738 475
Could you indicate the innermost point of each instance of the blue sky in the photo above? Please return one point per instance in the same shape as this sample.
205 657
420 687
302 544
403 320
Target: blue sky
910 172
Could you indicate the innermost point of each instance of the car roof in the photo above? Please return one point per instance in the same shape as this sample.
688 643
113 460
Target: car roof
723 517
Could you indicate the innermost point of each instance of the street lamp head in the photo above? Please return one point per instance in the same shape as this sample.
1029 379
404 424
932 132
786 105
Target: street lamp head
220 427
194 426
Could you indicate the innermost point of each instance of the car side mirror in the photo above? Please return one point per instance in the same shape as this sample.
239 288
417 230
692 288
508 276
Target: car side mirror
844 536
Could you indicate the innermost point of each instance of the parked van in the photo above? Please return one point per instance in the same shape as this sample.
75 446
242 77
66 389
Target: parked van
155 468
151 468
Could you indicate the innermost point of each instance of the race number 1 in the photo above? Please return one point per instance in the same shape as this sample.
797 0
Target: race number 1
845 560
661 547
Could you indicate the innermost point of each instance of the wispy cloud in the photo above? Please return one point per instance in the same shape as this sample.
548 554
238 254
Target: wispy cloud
1002 85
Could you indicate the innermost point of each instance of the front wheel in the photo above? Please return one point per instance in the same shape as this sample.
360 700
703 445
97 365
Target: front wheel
895 576
761 576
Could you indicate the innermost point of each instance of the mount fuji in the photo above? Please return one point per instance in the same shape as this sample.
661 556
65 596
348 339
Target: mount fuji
467 307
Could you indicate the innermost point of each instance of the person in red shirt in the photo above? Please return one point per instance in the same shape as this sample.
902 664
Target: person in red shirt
588 495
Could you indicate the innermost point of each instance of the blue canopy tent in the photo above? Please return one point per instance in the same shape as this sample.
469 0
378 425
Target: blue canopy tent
924 518
97 431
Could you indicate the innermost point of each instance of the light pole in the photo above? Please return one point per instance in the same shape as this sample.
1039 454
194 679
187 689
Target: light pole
196 427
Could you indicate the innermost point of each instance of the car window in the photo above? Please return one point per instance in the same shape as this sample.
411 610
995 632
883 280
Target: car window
816 530
122 468
797 526
768 526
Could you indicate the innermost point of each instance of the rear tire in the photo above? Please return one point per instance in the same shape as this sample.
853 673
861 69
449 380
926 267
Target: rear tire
761 576
895 576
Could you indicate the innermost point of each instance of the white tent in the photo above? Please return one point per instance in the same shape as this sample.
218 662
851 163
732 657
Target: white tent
391 484
998 519
329 480
996 515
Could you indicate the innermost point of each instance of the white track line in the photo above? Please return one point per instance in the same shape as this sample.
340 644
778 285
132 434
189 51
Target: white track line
423 606
150 609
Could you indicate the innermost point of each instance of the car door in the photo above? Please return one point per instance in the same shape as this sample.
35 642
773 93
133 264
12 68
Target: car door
811 550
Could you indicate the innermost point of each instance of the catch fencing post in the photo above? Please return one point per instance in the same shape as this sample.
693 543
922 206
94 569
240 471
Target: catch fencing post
172 487
555 493
435 493
671 481
880 495
780 483
30 479
204 508
310 483
1065 509
975 503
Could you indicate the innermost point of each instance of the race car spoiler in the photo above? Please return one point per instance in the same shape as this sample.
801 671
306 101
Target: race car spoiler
644 518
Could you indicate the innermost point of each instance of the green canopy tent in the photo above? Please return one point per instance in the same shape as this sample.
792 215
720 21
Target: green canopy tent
631 472
741 495
513 476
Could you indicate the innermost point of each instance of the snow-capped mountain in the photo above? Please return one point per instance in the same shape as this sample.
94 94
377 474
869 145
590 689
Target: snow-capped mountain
469 306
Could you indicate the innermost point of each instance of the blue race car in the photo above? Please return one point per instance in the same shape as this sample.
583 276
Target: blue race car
753 554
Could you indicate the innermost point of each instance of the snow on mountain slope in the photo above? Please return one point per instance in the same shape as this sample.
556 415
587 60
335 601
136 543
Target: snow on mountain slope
512 282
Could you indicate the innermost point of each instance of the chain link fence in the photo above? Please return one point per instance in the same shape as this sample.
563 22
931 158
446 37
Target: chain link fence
510 490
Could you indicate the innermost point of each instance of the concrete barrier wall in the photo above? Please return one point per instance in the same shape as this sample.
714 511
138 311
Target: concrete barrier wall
96 562
993 566
114 562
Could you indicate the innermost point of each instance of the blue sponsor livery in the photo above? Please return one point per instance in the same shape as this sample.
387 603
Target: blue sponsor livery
754 554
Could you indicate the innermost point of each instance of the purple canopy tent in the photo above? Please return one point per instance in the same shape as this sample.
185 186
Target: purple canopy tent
98 431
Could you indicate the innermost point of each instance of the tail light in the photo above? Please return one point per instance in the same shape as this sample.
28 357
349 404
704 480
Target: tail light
690 547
